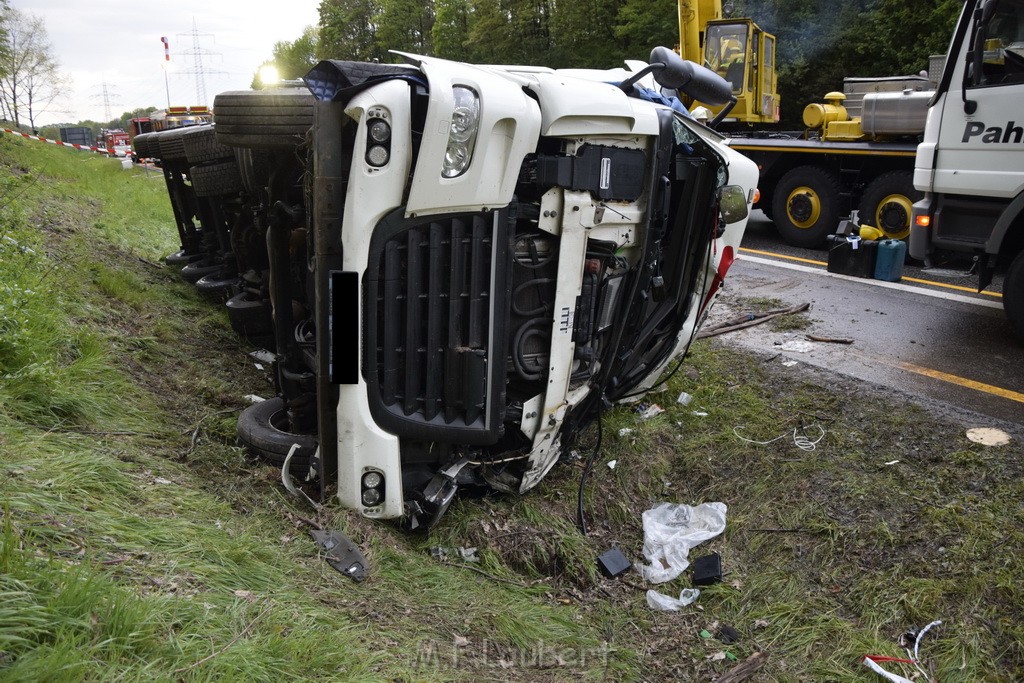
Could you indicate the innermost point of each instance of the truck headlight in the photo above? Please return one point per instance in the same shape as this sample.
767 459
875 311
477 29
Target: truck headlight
462 132
378 142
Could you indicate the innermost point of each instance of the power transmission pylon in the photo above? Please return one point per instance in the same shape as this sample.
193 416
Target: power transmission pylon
196 56
108 100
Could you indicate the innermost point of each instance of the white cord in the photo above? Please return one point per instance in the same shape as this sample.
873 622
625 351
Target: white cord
800 440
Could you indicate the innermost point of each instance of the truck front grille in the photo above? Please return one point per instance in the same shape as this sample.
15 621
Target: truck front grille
437 318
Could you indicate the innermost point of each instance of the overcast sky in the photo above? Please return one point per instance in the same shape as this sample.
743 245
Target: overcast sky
117 42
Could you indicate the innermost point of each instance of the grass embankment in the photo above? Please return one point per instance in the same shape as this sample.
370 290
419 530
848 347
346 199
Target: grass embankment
139 543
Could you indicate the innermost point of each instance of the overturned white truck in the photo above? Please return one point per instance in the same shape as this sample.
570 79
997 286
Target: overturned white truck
465 263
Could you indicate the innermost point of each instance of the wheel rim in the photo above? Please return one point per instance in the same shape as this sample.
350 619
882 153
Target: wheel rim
893 216
803 207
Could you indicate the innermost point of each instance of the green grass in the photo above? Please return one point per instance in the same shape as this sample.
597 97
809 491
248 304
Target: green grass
137 542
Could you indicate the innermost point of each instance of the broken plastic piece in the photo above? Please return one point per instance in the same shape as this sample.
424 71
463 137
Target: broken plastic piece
670 530
707 570
728 635
684 399
342 554
666 603
613 563
612 464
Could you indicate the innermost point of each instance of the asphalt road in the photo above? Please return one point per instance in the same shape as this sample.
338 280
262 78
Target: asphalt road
930 335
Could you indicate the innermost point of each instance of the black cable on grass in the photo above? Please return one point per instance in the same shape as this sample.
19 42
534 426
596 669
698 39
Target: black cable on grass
580 517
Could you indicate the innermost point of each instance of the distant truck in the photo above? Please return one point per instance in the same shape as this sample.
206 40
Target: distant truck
970 165
77 135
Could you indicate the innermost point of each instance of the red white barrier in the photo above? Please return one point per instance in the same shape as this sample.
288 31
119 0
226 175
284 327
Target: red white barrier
100 150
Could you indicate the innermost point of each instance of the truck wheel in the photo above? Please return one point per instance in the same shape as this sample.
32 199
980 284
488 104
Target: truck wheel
263 119
215 180
1013 295
261 428
254 165
141 145
170 145
805 206
888 202
201 145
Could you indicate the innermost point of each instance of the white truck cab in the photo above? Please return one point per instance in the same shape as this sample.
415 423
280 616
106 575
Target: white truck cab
970 164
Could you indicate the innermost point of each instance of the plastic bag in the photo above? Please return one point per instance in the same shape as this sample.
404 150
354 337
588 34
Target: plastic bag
666 603
670 530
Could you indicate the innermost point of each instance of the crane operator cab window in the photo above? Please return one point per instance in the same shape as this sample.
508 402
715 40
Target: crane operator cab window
999 43
726 51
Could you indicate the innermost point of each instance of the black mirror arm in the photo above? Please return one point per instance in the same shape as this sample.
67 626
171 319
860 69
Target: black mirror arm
722 114
627 85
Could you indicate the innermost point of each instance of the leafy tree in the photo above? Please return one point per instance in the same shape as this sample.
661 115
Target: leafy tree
406 25
30 78
451 28
584 34
348 30
642 25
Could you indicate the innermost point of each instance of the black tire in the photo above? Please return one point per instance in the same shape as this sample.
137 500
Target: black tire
201 145
263 119
805 206
261 430
216 180
216 283
181 257
141 145
254 166
1013 295
171 146
250 315
887 203
195 271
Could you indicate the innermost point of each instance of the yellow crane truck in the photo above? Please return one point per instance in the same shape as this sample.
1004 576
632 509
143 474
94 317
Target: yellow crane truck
856 152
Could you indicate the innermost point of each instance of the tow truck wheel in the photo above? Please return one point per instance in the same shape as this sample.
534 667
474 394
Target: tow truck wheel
1013 295
888 202
805 206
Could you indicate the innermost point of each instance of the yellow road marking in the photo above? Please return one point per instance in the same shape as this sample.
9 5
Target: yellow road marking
931 283
785 256
963 382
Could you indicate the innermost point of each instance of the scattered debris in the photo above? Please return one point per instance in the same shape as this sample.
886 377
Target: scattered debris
891 463
625 431
800 438
797 346
342 554
684 399
666 603
707 570
443 553
727 635
749 320
761 623
253 398
700 413
789 363
612 464
670 530
161 480
988 436
745 669
830 340
913 657
705 634
650 411
263 356
613 563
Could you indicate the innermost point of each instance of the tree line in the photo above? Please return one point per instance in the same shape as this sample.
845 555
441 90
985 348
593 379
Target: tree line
30 77
819 41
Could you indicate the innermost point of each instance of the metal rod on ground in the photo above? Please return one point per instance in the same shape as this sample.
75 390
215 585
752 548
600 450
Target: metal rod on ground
750 321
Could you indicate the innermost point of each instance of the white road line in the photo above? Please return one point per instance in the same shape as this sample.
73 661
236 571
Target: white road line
878 283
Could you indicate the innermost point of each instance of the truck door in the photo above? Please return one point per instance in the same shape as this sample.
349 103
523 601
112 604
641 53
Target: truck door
980 143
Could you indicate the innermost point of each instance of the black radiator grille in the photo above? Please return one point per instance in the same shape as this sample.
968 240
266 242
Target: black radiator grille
436 358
